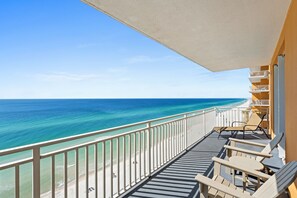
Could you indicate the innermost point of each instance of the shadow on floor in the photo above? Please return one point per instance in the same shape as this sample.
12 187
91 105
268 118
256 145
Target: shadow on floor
177 179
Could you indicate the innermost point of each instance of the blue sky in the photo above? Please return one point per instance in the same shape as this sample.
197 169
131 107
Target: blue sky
67 49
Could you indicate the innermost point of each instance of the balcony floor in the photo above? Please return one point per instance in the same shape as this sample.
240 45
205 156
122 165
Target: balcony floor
177 178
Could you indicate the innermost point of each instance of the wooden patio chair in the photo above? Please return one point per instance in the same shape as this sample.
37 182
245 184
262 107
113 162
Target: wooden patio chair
234 150
252 125
272 187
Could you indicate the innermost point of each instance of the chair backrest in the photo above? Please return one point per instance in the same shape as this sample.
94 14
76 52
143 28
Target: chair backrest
278 182
270 146
255 120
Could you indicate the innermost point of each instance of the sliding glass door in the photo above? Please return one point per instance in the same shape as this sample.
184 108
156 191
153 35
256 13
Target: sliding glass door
279 102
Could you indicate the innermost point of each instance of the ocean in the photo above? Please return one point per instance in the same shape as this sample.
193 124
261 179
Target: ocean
24 122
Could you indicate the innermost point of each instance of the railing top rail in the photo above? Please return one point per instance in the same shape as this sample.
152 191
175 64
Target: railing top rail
88 134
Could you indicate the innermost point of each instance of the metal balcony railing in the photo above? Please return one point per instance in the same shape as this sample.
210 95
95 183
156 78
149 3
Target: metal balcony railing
259 74
259 88
226 116
108 162
260 103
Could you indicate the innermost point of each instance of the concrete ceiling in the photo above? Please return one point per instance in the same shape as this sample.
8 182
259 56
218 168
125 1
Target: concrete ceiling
216 34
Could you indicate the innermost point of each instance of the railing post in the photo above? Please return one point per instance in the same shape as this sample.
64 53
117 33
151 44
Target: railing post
149 149
186 130
215 117
36 172
238 115
204 124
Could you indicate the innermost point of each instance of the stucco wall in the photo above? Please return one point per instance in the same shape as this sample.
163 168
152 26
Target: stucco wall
288 44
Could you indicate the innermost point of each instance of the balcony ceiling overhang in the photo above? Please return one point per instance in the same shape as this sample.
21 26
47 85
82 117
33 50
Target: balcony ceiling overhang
216 34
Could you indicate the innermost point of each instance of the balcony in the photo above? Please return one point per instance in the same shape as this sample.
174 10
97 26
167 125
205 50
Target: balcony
155 157
259 89
257 76
177 178
260 103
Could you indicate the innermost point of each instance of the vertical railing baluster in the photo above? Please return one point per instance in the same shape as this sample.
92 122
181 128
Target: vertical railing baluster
165 143
65 175
233 116
204 124
162 146
111 168
124 162
96 168
149 148
172 139
135 162
118 166
53 176
104 167
159 146
87 170
183 134
175 138
130 160
186 131
139 157
238 115
154 148
144 152
180 135
76 172
168 142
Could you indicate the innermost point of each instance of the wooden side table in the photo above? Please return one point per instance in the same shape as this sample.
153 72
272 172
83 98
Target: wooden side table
246 163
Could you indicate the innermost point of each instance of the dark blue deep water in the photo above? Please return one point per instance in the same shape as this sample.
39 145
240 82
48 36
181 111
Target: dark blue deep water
29 121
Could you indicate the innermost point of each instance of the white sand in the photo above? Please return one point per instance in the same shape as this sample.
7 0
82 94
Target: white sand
59 191
246 104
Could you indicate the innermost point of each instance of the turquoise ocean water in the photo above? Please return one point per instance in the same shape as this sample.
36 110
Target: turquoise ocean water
24 122
29 121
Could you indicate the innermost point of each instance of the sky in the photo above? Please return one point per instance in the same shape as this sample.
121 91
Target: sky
67 49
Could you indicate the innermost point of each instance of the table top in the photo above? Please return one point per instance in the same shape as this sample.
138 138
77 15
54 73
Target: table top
246 162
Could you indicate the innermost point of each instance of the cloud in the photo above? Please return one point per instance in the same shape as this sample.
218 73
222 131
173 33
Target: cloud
63 76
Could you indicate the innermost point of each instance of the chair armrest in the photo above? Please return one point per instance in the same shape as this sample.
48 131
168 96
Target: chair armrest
220 187
251 172
237 122
246 151
247 142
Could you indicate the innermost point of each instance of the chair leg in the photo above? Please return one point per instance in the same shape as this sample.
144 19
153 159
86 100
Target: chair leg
219 134
264 132
203 191
235 134
243 135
